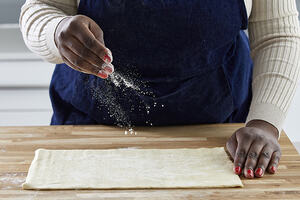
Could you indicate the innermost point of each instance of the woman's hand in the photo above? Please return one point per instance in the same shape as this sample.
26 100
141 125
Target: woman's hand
255 149
80 43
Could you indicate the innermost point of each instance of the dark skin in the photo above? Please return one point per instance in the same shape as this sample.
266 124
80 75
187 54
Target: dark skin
254 148
81 45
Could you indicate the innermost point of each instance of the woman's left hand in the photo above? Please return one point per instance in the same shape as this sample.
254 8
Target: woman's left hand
255 149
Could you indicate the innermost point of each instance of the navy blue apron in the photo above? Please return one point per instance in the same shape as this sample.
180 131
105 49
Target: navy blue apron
193 55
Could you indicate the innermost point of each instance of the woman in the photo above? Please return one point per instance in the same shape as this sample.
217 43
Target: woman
193 56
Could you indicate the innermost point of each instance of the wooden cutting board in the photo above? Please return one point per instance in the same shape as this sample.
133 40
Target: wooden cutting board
17 146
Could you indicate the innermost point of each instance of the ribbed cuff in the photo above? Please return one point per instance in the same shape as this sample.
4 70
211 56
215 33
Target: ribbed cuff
50 34
267 112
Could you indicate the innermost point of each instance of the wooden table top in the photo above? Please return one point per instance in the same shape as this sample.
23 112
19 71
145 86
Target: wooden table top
17 146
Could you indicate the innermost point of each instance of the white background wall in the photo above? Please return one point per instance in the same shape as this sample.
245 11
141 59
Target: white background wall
24 82
25 78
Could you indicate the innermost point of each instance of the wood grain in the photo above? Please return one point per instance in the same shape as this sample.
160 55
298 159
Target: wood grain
17 146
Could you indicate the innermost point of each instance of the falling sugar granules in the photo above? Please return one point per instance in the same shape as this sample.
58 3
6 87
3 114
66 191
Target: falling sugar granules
107 95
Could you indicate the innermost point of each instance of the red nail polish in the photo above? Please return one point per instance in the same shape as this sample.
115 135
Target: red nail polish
108 69
259 172
107 59
102 74
250 173
238 170
273 169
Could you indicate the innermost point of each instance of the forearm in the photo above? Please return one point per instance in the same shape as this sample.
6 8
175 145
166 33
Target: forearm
275 43
38 21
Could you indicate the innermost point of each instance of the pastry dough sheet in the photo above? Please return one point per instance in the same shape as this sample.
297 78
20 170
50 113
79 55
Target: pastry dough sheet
131 168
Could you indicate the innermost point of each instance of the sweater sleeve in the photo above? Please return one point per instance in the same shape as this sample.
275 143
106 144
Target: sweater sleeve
275 49
38 22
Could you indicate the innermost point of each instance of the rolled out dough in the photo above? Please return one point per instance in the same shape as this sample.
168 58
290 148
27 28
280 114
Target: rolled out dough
131 168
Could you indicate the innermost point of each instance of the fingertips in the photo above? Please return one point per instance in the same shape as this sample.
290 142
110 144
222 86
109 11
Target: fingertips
231 146
259 172
272 168
237 170
108 68
107 56
102 74
239 160
252 158
263 161
240 155
248 173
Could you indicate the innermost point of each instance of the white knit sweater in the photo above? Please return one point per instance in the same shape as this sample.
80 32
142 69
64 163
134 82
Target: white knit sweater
274 35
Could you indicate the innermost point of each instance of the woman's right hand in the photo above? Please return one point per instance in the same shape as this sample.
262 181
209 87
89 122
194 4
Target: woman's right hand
80 43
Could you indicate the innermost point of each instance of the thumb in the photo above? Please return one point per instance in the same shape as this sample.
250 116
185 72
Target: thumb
231 146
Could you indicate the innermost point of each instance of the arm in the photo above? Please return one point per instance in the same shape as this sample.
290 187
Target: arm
275 43
52 30
275 48
38 21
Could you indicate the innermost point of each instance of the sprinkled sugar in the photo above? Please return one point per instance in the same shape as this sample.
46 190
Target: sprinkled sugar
107 94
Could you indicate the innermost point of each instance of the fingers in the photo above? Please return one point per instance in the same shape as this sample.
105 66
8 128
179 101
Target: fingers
79 57
257 151
73 66
88 39
97 31
77 62
231 145
98 34
80 50
79 35
241 152
274 161
106 71
263 161
252 159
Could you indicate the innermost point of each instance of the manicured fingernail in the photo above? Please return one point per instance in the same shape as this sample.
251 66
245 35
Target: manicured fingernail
250 173
273 169
259 172
107 59
102 74
238 170
108 56
108 69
